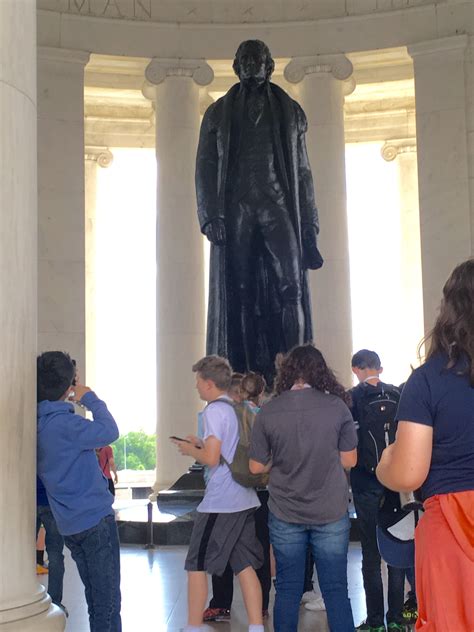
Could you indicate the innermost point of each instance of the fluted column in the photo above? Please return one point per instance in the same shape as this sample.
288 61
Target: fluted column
322 83
443 166
61 278
180 254
410 310
95 158
24 604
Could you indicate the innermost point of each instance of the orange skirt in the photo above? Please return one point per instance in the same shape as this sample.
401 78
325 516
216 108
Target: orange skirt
444 564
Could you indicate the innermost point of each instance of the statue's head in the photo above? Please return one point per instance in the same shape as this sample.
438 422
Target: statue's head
253 62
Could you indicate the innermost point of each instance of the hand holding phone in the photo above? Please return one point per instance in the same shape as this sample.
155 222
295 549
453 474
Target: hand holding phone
174 438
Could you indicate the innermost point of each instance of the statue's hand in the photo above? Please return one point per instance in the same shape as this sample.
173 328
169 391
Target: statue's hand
215 231
312 258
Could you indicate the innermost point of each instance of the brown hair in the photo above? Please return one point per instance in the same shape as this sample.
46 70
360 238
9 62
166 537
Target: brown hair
308 364
453 332
252 386
216 369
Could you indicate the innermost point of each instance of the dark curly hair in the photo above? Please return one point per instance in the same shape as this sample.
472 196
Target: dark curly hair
263 49
453 332
308 364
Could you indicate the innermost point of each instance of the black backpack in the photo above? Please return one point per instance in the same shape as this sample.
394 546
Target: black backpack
376 411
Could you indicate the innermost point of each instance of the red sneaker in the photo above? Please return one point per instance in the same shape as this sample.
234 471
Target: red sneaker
218 615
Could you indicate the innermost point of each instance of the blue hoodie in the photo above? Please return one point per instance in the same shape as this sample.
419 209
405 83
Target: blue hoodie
67 464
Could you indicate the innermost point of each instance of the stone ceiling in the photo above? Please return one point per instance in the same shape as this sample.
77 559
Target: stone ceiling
227 11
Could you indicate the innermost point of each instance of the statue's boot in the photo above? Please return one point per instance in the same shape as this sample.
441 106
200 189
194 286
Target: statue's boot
292 325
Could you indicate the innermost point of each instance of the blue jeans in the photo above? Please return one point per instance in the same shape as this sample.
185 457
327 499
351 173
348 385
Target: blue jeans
54 548
329 544
96 552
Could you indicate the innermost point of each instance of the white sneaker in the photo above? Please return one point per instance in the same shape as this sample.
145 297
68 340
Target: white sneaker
315 604
309 595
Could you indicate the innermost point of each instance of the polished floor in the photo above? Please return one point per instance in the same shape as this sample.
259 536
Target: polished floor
154 594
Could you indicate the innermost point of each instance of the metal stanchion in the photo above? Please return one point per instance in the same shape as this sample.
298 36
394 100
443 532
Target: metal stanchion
150 544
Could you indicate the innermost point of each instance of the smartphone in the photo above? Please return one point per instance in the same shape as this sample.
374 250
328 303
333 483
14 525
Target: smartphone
185 441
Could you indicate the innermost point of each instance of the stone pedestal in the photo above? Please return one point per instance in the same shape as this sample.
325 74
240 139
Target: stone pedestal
410 310
321 91
61 273
95 158
443 167
180 255
24 604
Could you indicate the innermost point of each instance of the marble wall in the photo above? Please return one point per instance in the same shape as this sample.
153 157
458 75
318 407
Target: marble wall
61 248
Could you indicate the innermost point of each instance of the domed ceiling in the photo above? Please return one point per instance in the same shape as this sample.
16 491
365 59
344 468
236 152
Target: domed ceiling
226 11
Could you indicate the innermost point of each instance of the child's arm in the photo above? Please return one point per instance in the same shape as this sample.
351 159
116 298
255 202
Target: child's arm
208 454
97 433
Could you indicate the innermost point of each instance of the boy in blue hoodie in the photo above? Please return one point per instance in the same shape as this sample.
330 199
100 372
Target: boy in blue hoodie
77 491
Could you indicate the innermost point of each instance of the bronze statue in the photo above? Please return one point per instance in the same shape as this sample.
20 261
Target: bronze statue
256 206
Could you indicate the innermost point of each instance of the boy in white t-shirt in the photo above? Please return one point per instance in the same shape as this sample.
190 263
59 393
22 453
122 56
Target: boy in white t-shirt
224 530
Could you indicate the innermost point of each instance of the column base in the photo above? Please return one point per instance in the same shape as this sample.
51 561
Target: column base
42 616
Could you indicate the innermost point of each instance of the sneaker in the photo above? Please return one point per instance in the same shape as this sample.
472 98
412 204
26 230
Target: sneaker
216 614
410 612
309 595
41 570
370 628
397 627
316 604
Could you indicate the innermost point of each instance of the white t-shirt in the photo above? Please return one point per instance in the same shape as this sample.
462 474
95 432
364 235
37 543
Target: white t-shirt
223 494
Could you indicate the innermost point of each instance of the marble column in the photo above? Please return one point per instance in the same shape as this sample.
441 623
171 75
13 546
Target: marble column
95 158
443 167
410 311
61 223
322 86
24 604
180 255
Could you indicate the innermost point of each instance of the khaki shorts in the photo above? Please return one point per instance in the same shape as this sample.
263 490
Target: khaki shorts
219 539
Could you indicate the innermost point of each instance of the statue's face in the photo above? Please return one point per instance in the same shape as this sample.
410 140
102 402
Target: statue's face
253 65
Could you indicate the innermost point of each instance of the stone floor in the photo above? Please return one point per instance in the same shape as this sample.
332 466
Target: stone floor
154 594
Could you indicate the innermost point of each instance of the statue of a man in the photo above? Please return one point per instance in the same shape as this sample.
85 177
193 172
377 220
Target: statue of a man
256 206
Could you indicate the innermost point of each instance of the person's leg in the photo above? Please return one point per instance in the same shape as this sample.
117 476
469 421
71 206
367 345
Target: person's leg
308 571
223 589
396 593
263 536
111 486
78 555
197 596
330 544
54 548
252 594
95 556
289 542
116 596
366 504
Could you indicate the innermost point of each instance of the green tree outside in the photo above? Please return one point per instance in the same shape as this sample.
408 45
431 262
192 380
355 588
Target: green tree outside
139 450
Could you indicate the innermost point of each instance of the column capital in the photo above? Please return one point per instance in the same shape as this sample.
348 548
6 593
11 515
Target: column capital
339 66
63 55
197 69
443 45
395 147
101 155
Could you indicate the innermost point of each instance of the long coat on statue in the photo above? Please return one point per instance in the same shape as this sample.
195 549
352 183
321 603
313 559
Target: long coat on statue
223 325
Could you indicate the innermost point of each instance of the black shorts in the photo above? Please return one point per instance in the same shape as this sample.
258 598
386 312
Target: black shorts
219 539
